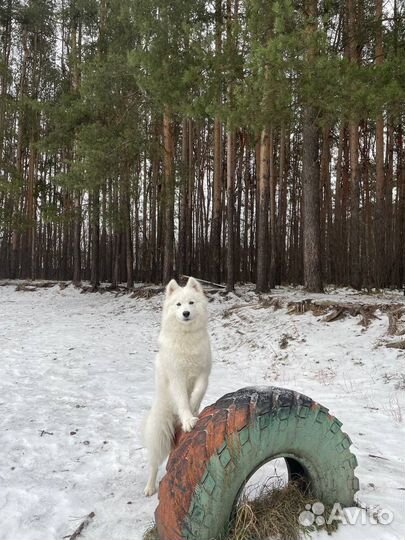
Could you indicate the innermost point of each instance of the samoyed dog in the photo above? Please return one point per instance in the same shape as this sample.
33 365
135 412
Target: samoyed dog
182 368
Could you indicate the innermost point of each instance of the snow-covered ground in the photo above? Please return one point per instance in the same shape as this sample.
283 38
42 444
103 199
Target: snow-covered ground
76 377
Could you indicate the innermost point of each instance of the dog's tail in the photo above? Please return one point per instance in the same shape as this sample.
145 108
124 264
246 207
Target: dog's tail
158 433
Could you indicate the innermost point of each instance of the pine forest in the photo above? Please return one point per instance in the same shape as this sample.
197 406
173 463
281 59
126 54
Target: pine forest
233 140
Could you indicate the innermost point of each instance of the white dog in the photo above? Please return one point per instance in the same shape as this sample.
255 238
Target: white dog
182 368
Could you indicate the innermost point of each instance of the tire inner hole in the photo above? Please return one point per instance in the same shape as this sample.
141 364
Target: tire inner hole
274 474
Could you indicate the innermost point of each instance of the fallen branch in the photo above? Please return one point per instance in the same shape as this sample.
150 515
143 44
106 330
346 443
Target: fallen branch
396 345
146 292
270 301
334 311
335 314
300 307
81 527
43 432
378 457
238 307
45 284
33 285
207 282
26 287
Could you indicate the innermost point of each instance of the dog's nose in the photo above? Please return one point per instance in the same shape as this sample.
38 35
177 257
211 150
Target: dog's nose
186 314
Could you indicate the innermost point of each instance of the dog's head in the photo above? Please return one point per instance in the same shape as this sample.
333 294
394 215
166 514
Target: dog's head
186 306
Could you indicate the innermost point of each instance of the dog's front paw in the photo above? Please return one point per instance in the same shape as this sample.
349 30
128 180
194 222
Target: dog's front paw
150 489
188 423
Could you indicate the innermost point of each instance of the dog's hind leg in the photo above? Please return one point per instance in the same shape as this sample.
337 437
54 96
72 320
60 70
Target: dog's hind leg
150 488
158 435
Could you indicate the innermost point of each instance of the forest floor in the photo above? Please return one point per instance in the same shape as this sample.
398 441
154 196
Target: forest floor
76 378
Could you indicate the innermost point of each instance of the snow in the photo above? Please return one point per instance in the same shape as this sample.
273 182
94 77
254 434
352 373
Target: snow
76 378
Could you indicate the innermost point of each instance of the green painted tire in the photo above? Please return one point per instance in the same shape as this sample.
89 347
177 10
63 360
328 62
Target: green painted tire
236 436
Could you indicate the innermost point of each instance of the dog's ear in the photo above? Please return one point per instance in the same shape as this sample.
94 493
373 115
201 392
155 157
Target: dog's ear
171 287
194 284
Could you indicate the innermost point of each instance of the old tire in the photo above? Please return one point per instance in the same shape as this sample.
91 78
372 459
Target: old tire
232 439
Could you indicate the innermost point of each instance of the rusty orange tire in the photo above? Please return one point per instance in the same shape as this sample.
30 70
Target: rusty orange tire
232 439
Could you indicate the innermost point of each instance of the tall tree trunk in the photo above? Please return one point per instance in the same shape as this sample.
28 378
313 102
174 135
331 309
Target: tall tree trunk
355 271
247 204
326 221
190 198
217 204
367 252
238 202
94 194
311 203
230 189
77 262
310 179
183 203
389 220
168 164
273 214
215 240
230 161
399 272
127 232
144 270
154 202
339 252
294 241
94 200
355 277
262 281
75 43
116 236
19 239
6 49
30 270
379 225
104 266
282 214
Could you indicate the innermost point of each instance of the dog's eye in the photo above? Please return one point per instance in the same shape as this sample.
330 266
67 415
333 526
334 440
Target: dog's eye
191 303
178 304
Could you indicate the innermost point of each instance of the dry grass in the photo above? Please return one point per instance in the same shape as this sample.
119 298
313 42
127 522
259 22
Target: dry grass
151 533
271 515
395 408
325 376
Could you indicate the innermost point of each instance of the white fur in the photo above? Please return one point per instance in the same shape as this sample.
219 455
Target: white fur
182 368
